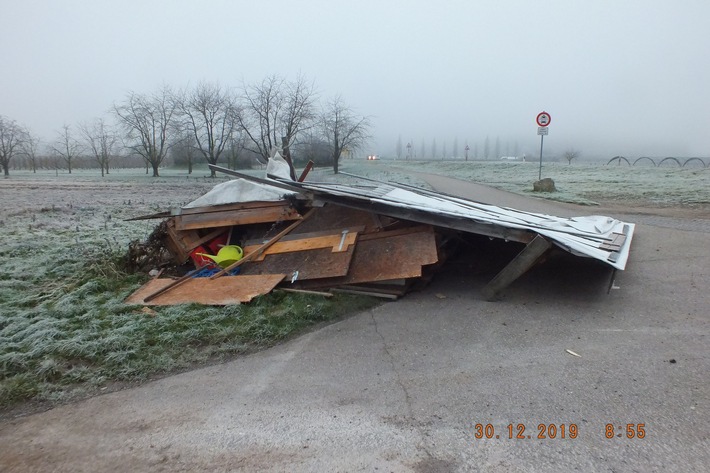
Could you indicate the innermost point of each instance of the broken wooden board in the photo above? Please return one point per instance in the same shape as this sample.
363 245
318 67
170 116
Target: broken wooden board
617 241
228 215
337 242
302 265
226 290
181 243
386 256
335 217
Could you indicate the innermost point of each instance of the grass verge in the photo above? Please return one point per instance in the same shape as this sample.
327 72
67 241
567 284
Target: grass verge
65 332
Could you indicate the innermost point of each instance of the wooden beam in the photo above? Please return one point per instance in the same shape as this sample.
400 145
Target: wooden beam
525 260
306 170
230 218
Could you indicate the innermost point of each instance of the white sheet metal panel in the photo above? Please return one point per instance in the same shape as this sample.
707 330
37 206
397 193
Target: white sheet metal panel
582 236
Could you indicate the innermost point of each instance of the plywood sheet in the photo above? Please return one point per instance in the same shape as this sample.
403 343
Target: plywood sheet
221 291
387 255
393 257
308 264
335 217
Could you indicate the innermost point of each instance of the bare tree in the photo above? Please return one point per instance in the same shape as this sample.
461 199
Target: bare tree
12 136
184 150
146 120
342 129
209 113
300 111
275 112
30 148
235 153
101 141
571 154
67 146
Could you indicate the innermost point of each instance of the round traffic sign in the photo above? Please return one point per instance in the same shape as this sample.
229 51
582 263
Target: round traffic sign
543 119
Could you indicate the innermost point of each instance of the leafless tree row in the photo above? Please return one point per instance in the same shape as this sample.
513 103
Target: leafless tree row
209 122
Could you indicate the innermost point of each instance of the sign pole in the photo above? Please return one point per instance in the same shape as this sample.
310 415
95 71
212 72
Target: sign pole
543 120
539 177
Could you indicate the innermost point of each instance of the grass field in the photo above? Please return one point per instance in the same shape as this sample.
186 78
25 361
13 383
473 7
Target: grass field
583 183
65 332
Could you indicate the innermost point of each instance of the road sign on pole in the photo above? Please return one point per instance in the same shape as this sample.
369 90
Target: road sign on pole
543 119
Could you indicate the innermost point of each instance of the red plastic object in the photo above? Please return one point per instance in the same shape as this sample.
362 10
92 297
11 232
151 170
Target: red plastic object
217 243
201 261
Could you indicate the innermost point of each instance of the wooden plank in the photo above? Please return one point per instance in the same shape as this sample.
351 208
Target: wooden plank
304 265
365 293
231 206
249 256
396 232
306 170
297 235
522 262
337 242
235 217
223 291
303 291
615 244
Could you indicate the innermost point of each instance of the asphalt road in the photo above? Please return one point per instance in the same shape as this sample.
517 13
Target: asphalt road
402 388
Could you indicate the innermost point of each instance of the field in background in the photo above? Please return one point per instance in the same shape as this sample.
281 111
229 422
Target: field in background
65 332
585 184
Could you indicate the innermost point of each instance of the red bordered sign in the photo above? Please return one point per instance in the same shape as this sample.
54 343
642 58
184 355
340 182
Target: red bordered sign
543 119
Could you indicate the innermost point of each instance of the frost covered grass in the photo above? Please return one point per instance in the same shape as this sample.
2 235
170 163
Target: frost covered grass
64 329
579 183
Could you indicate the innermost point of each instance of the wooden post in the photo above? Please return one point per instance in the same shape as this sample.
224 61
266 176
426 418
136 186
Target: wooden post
516 268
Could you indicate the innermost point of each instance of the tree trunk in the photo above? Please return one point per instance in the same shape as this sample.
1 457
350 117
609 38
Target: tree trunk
189 166
155 170
6 170
335 163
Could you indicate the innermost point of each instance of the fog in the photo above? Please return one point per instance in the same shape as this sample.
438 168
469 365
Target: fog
618 78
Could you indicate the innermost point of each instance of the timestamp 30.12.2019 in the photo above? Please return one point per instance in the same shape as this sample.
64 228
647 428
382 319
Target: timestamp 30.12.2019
555 431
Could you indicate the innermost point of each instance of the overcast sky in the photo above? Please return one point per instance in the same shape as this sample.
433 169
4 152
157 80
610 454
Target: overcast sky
617 77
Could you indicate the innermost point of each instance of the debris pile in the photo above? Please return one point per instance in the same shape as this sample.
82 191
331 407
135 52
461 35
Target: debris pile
251 235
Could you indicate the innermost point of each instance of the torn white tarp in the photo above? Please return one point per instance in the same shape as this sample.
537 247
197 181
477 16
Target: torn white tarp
278 167
239 190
